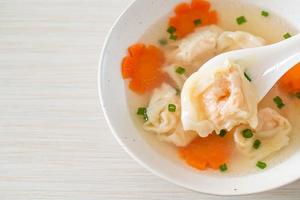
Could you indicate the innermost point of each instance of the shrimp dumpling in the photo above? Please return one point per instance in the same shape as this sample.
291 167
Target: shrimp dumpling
213 100
160 120
164 123
197 47
272 131
179 137
229 41
270 123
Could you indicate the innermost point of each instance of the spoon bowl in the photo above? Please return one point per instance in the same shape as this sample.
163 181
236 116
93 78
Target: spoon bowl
264 65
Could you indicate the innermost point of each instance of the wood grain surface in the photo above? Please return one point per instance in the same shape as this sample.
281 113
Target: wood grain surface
54 141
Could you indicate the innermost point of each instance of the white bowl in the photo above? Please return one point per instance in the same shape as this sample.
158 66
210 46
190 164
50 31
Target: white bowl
130 26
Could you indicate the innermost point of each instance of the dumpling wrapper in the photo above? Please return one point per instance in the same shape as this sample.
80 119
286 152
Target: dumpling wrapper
179 137
273 132
229 41
213 100
164 123
178 79
196 48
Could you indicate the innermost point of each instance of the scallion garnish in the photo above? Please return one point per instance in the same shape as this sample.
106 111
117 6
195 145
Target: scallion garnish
197 22
171 30
256 144
223 132
279 103
173 37
223 168
247 133
172 108
261 165
287 35
247 77
163 42
298 95
180 70
241 20
142 111
265 13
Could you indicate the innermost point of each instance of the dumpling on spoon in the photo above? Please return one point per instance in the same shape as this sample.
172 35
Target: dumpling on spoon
217 99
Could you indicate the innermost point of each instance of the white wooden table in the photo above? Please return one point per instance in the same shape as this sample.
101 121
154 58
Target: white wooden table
54 142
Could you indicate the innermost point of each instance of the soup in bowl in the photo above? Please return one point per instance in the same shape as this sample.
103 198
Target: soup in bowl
204 130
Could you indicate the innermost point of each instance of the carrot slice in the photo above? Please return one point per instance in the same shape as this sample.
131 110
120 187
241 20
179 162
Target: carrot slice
143 68
127 68
186 15
182 8
290 82
200 5
213 17
136 50
209 152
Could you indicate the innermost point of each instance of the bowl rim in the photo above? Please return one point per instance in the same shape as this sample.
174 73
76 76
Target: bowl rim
132 154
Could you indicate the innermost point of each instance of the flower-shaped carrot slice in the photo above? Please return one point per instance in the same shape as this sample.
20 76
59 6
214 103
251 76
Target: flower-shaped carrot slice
189 16
209 152
142 67
290 82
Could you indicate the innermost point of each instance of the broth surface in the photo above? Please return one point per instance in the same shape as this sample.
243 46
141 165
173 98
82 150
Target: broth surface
270 28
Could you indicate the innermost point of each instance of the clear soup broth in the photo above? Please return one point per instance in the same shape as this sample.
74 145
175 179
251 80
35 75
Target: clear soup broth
271 29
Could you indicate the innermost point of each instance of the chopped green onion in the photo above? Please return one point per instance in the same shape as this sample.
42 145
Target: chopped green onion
163 42
247 77
256 144
171 30
172 108
241 20
197 22
142 111
265 13
298 95
180 70
223 132
279 103
173 37
247 133
223 168
261 165
287 35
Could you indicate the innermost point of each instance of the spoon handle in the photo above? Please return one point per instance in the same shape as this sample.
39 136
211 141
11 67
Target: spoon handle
273 74
270 63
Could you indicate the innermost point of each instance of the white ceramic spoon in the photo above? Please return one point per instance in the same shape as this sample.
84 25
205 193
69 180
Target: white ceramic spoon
265 65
